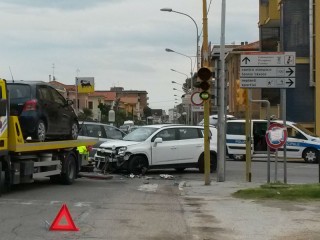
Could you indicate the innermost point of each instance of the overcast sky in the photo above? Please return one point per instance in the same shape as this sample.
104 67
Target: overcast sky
118 42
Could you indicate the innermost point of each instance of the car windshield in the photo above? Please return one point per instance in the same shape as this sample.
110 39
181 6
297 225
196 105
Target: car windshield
140 134
303 129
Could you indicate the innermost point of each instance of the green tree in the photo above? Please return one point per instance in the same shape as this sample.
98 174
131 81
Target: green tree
147 112
86 114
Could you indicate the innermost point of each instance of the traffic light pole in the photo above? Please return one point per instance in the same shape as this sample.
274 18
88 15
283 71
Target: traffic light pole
206 103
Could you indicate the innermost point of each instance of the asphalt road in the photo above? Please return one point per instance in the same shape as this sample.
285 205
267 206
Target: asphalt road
149 207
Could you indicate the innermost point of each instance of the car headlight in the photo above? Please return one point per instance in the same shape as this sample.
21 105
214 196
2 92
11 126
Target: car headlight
122 151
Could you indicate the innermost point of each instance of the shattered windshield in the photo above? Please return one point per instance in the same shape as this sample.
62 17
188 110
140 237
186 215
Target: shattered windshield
140 134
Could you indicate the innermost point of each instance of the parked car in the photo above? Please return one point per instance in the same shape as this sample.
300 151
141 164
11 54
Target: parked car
301 143
158 146
43 112
213 119
104 133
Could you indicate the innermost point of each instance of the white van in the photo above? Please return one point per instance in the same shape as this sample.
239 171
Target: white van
301 143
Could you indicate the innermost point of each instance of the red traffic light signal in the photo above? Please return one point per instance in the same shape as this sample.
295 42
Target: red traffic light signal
204 74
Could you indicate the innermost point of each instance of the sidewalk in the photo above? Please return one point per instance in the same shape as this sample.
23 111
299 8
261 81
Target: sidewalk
212 213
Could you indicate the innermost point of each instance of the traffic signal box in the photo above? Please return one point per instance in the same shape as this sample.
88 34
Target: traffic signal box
241 94
204 74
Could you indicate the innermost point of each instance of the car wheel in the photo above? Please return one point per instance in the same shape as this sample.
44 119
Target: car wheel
213 163
40 132
310 155
180 169
70 170
138 165
74 131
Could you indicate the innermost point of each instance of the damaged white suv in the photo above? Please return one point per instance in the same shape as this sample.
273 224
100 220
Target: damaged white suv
158 146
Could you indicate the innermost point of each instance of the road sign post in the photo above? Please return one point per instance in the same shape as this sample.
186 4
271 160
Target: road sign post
276 137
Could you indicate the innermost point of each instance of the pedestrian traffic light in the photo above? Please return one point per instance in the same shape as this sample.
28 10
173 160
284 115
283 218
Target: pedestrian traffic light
241 94
204 74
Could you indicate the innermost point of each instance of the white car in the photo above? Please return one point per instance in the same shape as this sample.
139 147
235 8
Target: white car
158 146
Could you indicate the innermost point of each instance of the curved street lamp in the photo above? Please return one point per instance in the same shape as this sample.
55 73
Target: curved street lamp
179 72
170 50
170 10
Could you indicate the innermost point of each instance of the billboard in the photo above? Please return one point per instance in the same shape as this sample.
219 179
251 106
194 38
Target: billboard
85 84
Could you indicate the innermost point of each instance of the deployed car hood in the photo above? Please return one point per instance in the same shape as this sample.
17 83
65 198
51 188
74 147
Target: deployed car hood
118 143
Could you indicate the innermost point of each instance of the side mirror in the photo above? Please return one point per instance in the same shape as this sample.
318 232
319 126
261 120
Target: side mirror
156 141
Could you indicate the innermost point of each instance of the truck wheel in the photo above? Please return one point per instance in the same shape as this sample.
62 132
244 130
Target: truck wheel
4 185
138 165
40 132
70 170
213 163
310 155
74 131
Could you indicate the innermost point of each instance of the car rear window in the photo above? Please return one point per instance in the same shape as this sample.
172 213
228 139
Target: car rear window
17 91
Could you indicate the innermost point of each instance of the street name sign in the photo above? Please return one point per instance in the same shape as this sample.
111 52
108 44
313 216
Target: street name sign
268 70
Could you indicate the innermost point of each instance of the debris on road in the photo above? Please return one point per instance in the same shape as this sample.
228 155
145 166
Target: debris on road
166 176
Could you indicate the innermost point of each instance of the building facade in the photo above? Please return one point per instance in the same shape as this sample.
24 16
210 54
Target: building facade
293 26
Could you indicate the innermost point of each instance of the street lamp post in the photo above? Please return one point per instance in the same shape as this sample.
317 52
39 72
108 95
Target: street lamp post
190 108
179 72
197 51
170 50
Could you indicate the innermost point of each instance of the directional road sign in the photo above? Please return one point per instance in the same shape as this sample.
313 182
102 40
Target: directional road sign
268 70
268 83
268 59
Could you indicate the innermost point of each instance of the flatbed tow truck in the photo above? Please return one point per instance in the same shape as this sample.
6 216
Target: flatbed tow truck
22 161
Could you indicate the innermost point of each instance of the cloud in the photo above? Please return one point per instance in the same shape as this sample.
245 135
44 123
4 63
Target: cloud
119 42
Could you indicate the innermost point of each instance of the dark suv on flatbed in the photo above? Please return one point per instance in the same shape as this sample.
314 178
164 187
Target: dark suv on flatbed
43 112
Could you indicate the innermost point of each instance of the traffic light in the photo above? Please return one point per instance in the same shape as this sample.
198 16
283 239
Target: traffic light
205 75
241 94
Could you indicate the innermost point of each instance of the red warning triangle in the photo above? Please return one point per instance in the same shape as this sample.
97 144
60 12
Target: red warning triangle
63 213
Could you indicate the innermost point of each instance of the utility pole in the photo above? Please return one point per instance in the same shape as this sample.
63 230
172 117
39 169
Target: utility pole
222 105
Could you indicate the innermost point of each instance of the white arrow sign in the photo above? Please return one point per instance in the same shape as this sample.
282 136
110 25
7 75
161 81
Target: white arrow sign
267 72
268 59
267 83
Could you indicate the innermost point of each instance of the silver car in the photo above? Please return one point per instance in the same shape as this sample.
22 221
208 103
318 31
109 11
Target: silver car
103 132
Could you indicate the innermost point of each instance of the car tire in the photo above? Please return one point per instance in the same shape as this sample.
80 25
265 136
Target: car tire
213 163
310 155
74 131
180 169
40 133
138 165
69 174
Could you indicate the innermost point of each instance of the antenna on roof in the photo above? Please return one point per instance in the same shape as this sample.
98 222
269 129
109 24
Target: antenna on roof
11 74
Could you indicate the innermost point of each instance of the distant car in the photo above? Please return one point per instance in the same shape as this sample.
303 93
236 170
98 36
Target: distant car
104 133
43 112
213 120
158 146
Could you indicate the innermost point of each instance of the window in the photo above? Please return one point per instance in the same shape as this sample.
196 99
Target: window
19 91
236 128
57 97
188 133
294 133
167 134
90 105
113 133
94 131
44 93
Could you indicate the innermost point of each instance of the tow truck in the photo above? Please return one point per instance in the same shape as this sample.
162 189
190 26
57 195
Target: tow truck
23 161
